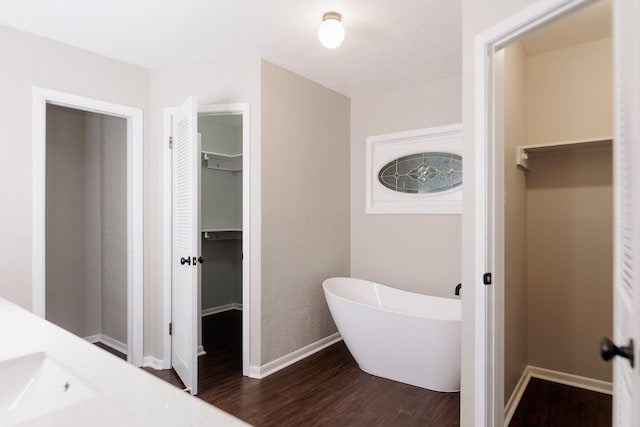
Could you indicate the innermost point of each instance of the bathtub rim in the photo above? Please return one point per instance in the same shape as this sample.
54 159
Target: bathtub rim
388 310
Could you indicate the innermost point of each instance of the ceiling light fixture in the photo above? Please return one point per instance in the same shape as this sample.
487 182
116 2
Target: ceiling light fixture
331 31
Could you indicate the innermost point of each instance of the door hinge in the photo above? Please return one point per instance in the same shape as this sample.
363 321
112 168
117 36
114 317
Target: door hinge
171 142
486 278
170 328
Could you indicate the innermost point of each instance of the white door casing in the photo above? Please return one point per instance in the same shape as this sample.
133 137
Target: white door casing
184 261
626 294
488 401
250 241
134 117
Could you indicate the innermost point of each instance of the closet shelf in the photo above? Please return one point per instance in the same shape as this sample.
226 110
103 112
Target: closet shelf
522 151
220 161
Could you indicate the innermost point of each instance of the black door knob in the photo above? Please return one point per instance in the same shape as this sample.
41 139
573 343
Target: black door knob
608 350
186 260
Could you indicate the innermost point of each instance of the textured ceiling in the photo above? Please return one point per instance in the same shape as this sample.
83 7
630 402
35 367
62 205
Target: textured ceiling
387 45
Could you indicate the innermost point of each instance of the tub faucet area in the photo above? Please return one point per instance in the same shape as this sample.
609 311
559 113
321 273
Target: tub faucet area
458 287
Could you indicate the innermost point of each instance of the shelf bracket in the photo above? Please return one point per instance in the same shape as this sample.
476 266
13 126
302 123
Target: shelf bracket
522 157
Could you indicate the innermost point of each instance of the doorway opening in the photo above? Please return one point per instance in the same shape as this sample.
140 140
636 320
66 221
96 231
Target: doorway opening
220 138
207 210
493 169
87 211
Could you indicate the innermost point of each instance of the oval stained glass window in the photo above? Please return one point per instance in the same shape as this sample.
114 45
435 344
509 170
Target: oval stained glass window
421 173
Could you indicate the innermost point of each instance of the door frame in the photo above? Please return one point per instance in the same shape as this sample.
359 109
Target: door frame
135 256
488 216
250 236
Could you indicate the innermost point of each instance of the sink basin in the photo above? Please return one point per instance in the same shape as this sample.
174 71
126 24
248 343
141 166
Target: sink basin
35 385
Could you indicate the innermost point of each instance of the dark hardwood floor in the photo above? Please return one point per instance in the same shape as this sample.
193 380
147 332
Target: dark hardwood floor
326 389
549 404
111 350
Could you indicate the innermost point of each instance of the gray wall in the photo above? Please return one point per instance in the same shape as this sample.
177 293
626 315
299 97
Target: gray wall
221 208
221 199
419 253
305 207
73 262
113 225
221 133
86 230
221 272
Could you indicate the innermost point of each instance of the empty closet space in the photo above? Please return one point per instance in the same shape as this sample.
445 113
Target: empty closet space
558 235
221 230
86 225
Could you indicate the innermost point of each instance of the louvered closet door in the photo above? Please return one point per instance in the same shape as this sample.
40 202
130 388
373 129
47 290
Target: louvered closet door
626 396
185 244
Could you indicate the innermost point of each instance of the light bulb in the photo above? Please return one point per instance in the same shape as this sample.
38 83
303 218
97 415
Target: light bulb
331 31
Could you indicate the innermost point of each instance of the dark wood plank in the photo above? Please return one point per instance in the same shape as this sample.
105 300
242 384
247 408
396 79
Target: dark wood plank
550 404
111 350
325 389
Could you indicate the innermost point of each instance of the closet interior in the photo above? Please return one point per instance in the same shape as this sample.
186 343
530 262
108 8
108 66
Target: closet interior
86 225
557 110
220 139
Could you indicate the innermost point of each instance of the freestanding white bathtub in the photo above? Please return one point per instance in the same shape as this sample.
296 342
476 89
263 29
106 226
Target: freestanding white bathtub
399 335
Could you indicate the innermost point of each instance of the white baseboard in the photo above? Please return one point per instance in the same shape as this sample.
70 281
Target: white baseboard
514 400
201 351
154 363
556 377
109 342
221 308
267 369
572 380
92 338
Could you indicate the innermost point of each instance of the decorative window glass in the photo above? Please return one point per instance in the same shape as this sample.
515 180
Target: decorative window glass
422 173
417 172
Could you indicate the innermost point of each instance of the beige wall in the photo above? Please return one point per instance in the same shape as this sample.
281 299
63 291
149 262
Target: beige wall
558 224
569 210
477 16
570 93
569 272
33 60
515 217
419 253
305 207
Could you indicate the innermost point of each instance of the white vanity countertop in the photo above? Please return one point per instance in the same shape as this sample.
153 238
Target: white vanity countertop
126 396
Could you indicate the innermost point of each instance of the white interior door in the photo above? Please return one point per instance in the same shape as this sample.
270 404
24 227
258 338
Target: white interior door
626 372
184 292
